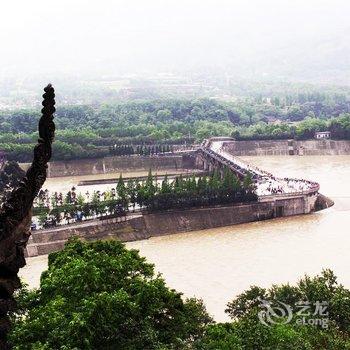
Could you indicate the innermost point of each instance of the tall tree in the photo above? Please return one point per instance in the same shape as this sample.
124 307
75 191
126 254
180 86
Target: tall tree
98 296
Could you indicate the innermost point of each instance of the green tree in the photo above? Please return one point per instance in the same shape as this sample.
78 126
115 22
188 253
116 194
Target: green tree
80 199
247 332
248 183
150 188
102 296
132 192
165 187
122 192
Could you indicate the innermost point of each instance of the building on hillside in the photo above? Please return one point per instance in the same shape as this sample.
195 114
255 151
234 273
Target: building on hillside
323 135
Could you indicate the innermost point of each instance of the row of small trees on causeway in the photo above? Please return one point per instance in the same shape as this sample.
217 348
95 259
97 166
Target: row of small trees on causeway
192 192
153 195
143 150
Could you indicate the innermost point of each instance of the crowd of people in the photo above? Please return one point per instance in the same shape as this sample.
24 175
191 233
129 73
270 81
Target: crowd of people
271 185
267 184
46 199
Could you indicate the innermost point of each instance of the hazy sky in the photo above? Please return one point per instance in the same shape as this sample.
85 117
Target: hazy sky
137 35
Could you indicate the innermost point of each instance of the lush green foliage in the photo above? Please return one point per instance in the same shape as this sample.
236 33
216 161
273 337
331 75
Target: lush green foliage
339 128
102 296
192 192
246 332
89 132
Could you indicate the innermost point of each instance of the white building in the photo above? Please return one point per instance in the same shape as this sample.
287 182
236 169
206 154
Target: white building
323 135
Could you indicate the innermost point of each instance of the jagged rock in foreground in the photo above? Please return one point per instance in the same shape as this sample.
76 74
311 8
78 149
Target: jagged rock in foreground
15 214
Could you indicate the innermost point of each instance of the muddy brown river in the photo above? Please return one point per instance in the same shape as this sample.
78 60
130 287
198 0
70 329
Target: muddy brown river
218 264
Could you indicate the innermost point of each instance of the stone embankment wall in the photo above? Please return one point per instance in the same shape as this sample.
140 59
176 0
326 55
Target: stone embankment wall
117 164
285 147
169 222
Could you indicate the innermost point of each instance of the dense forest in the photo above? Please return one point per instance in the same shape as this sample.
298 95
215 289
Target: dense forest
92 131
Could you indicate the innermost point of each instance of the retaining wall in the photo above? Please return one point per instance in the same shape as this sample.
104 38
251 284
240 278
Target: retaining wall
285 147
169 222
116 164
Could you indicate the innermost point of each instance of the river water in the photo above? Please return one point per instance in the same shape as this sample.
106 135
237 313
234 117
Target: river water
64 184
217 264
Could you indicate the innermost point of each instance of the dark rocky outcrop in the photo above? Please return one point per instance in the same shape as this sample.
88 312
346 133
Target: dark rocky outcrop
10 177
15 214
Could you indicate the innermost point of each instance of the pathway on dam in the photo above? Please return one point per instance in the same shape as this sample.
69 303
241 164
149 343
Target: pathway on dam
267 184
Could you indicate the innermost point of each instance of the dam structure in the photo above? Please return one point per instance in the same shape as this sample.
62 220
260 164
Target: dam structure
277 197
214 154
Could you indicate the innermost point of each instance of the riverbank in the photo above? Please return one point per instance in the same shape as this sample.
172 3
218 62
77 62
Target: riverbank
144 226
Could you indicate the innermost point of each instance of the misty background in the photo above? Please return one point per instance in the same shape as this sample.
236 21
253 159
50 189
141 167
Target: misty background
67 42
172 72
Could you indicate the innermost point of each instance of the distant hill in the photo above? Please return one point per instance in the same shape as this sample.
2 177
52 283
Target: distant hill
321 60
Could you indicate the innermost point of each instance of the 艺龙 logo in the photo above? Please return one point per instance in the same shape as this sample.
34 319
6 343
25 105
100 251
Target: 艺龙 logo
275 313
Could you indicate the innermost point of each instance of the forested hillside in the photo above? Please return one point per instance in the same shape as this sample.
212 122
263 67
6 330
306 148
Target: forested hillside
90 131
